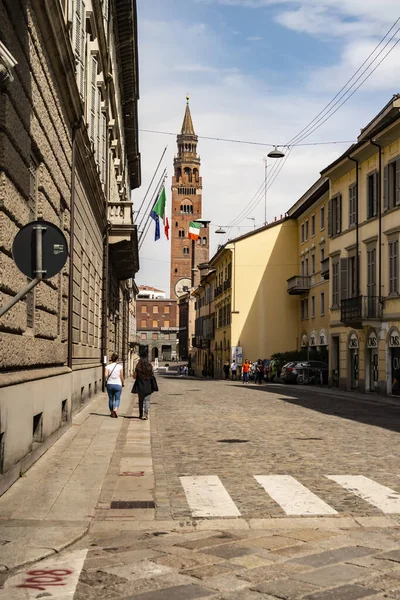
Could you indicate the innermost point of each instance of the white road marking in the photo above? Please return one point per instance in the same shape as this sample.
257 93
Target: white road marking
380 496
292 496
207 497
55 577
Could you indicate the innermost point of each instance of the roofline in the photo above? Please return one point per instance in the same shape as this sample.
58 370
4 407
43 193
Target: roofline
311 196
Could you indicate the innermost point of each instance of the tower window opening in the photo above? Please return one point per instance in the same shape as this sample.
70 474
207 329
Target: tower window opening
204 241
185 250
188 174
181 233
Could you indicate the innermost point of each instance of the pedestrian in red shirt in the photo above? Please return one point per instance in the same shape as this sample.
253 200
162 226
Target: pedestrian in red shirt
246 370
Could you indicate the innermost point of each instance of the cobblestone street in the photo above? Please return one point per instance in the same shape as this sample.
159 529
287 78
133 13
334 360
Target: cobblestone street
228 493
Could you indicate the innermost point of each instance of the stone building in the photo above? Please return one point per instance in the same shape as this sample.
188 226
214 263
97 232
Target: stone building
157 327
69 155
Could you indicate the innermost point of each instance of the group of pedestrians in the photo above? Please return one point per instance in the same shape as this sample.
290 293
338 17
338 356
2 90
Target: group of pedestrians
145 384
254 371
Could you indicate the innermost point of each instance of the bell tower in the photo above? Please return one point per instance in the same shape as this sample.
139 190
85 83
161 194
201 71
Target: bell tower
186 207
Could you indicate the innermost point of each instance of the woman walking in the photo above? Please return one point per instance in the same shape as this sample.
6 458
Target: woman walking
114 374
144 385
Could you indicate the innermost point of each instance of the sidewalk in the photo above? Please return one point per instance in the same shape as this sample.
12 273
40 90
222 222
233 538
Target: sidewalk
53 504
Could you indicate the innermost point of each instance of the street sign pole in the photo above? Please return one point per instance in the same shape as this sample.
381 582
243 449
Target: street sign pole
19 296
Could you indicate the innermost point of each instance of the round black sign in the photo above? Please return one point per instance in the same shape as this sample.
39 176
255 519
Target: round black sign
54 249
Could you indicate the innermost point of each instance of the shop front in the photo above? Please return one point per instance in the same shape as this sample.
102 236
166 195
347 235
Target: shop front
353 362
393 344
372 362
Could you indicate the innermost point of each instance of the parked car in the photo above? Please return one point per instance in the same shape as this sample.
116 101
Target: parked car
311 369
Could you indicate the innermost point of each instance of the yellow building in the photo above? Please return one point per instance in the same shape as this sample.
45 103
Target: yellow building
309 279
249 286
364 228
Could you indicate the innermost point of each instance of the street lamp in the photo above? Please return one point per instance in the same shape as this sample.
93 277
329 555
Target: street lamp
273 154
220 230
254 221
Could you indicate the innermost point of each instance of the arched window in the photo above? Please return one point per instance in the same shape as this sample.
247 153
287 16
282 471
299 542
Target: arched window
185 250
196 175
178 174
187 206
181 233
176 223
204 241
199 240
188 174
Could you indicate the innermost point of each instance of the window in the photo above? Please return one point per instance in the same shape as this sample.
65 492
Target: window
166 310
175 270
372 195
371 272
155 323
144 308
335 283
313 225
322 302
155 336
322 217
312 306
155 309
166 336
166 323
143 323
335 215
352 266
391 184
306 230
322 253
306 267
304 308
185 250
312 264
143 336
78 44
393 266
303 239
181 233
352 205
302 268
204 241
186 207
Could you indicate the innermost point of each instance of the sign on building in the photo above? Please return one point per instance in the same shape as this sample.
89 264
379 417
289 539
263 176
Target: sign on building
237 354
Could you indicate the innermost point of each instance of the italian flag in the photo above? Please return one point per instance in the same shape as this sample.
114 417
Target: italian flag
194 230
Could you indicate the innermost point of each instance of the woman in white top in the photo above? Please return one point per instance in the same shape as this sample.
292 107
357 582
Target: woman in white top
114 375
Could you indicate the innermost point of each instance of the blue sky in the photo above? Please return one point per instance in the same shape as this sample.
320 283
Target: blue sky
255 70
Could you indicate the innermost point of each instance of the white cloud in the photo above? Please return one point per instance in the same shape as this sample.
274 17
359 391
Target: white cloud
229 103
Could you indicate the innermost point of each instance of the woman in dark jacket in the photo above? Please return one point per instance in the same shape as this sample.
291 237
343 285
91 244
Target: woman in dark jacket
143 375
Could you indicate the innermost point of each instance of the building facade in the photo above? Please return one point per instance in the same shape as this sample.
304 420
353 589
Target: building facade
364 229
310 282
64 108
204 331
186 206
157 328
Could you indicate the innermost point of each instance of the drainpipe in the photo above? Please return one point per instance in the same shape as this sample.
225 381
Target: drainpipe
357 231
379 220
75 128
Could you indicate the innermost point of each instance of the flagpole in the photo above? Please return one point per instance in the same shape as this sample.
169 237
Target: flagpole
153 199
148 221
193 262
152 179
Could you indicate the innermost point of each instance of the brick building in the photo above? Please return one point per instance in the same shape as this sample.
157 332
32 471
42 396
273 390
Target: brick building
157 328
186 206
66 101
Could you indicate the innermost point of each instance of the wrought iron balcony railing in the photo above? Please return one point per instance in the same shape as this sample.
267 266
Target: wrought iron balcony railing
361 308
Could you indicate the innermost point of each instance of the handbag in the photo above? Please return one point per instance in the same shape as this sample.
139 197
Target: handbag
134 389
154 384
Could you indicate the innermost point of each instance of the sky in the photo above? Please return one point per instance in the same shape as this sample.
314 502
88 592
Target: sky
259 71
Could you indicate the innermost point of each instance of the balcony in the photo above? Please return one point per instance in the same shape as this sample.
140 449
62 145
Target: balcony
325 268
361 308
227 284
299 284
218 291
123 242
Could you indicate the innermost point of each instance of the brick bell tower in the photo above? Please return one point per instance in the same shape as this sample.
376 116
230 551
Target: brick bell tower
186 207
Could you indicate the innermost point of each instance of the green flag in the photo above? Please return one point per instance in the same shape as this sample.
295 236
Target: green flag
159 207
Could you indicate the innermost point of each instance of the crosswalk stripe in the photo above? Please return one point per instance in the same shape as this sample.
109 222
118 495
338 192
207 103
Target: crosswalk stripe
207 497
380 496
292 496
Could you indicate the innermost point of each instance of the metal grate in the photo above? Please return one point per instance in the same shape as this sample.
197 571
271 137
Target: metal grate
132 504
233 441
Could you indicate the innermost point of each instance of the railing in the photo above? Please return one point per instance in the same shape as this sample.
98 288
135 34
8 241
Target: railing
120 213
361 308
218 291
227 284
298 284
325 268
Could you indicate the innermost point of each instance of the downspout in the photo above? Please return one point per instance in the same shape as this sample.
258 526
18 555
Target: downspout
357 231
75 128
379 220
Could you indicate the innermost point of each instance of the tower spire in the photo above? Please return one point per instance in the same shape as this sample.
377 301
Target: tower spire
187 125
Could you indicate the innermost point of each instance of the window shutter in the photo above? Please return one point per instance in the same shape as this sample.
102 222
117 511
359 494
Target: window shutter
375 194
343 278
385 188
397 181
339 214
93 94
330 218
104 148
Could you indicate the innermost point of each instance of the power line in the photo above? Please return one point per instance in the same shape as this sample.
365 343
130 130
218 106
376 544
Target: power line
301 135
251 143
